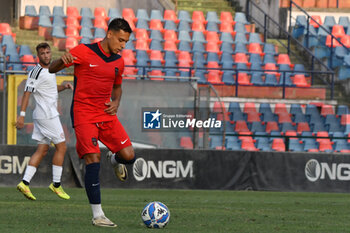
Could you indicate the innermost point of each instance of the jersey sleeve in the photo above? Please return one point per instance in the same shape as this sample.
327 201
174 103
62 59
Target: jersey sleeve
33 80
118 73
78 53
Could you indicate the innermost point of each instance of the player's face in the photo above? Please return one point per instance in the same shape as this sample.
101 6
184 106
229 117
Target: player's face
44 56
117 40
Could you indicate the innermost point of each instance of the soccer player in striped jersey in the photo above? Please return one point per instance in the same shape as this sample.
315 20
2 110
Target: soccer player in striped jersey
47 126
98 70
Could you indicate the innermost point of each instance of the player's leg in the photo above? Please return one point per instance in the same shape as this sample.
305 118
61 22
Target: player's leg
114 136
31 169
88 149
57 168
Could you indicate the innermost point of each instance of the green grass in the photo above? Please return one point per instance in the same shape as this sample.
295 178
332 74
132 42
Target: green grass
191 211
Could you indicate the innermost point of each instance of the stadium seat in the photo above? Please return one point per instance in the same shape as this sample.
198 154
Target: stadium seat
271 126
170 35
315 21
243 79
255 38
248 146
329 21
257 126
228 77
100 22
270 68
186 142
327 109
265 108
170 15
226 37
58 32
300 81
234 107
345 119
156 24
100 12
278 144
128 14
198 16
72 22
142 34
114 13
226 27
344 21
241 18
86 12
156 35
212 17
296 145
283 59
73 11
226 16
24 50
240 28
269 58
271 80
142 45
170 25
73 32
253 117
256 79
212 27
270 49
44 21
255 48
28 60
184 26
71 42
30 11
44 10
184 16
198 26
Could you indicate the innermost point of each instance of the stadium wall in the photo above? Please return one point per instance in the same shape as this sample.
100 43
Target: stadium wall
196 169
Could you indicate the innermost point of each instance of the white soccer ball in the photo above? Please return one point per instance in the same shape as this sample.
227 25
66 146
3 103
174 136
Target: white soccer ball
155 215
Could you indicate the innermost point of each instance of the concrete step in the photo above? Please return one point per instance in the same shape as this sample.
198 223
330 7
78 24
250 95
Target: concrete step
207 4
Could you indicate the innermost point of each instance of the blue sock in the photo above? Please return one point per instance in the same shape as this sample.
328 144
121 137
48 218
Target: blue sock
123 161
92 183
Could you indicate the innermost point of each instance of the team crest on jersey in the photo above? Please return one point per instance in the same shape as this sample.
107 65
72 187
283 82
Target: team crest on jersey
94 141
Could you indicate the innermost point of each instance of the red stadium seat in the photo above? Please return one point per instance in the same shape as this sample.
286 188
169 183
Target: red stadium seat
241 58
345 119
27 59
100 22
284 117
255 48
283 59
212 47
322 136
130 71
71 42
142 45
303 127
156 24
241 126
198 26
291 133
198 16
226 16
156 73
249 107
316 18
270 67
278 144
170 46
248 146
186 142
213 66
226 27
132 24
128 14
73 32
170 35
184 63
300 81
332 43
325 146
253 117
243 79
219 107
280 108
156 55
338 30
170 15
100 12
271 126
128 54
345 40
214 77
213 36
184 55
72 11
142 34
220 116
72 21
327 109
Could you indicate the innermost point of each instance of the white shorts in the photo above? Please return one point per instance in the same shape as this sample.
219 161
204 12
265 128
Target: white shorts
48 130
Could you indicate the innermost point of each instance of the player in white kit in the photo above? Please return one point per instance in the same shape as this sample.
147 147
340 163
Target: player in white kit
47 125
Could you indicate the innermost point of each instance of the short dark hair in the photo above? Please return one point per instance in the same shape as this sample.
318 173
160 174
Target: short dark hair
118 24
42 45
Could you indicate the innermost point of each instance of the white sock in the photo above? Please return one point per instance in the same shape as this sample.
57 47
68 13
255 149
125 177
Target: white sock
97 210
56 173
113 161
29 173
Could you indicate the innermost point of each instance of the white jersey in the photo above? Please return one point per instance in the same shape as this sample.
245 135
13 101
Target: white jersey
43 86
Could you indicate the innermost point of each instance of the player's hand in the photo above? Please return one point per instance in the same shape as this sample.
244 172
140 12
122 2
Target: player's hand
20 122
68 58
68 86
112 108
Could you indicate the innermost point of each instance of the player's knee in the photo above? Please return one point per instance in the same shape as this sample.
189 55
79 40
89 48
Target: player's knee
61 147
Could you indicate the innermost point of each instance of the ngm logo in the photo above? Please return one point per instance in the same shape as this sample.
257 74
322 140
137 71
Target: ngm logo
12 165
168 169
315 170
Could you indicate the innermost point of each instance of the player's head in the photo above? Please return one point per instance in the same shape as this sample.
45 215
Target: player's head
43 51
118 34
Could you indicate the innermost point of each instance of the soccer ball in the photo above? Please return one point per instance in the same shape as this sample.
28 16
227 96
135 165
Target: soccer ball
155 215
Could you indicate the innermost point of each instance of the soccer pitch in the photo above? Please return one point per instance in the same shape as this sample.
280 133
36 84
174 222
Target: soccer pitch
191 211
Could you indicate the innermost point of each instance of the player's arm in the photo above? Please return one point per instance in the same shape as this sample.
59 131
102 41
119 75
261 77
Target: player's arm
59 64
24 104
64 87
114 103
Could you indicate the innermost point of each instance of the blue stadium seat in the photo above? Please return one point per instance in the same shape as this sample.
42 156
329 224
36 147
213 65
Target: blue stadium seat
24 50
142 14
184 16
199 64
156 65
296 145
299 117
212 17
256 127
241 18
58 11
156 14
99 33
342 109
299 69
266 116
317 127
225 56
198 46
58 32
254 38
86 22
156 35
156 45
129 45
255 58
30 11
256 79
142 55
170 25
344 70
240 28
311 109
185 46
269 58
269 49
228 77
86 33
201 75
233 145
227 65
142 23
57 21
86 12
170 63
295 109
170 55
184 36
226 37
184 26
341 145
265 108
212 26
228 127
344 21
310 38
44 21
226 48
239 48
114 13
301 21
271 80
256 68
213 57
308 145
44 10
237 116
263 145
234 107
329 21
85 40
198 36
240 37
287 126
